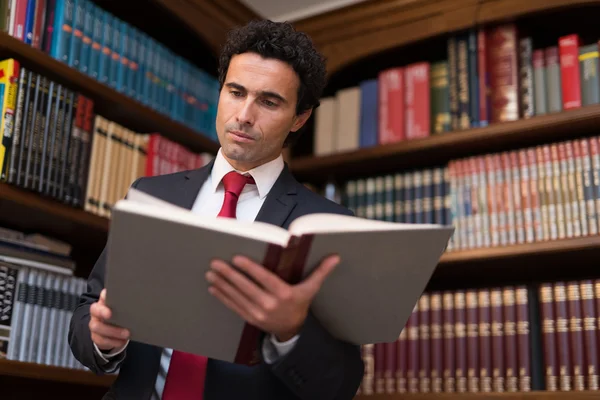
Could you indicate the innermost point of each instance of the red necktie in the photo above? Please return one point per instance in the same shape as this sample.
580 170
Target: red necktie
187 372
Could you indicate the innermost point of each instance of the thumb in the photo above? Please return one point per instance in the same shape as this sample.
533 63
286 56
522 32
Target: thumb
315 280
103 297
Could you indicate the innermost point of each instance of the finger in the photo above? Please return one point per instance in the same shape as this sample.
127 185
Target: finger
315 280
250 289
108 331
100 311
267 279
104 343
233 293
103 296
232 305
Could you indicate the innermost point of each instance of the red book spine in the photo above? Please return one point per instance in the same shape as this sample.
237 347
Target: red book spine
379 367
503 65
549 336
152 158
589 316
485 340
402 361
576 337
510 339
21 18
523 339
449 348
389 374
515 170
572 189
368 355
562 336
498 347
413 351
437 343
472 341
416 100
424 344
568 47
391 106
460 333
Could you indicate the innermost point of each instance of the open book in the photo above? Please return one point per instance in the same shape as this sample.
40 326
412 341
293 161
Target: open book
158 254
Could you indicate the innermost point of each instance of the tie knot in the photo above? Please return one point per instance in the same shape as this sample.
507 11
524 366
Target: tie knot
234 182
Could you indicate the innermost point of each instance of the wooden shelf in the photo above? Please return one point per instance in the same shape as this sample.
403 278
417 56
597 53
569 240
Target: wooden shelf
547 248
107 102
30 211
52 373
440 148
535 395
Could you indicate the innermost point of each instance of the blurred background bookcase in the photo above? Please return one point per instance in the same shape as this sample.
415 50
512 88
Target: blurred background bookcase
423 162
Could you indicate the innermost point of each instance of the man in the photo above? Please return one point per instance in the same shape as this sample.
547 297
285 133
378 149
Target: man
271 79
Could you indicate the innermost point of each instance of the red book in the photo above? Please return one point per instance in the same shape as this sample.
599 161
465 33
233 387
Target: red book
391 105
568 47
416 97
503 69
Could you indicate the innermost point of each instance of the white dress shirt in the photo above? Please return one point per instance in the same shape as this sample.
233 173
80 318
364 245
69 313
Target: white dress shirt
209 202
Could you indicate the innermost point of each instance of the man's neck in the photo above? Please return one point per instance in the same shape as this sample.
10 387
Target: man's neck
247 166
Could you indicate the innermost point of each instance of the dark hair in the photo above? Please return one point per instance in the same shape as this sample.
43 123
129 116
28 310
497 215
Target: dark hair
279 40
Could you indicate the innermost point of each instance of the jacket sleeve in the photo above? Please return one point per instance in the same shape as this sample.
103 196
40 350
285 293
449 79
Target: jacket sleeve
79 336
320 367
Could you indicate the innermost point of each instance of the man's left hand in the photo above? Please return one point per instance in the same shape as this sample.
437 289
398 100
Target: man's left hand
273 305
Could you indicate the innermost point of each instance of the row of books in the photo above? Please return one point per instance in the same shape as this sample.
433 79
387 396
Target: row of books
36 313
53 143
545 192
498 339
97 43
119 156
489 75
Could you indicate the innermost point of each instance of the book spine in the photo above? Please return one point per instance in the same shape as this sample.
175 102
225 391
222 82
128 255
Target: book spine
589 318
472 341
424 344
549 336
437 343
523 338
562 337
570 75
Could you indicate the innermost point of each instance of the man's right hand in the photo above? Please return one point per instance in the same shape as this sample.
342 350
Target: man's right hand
104 335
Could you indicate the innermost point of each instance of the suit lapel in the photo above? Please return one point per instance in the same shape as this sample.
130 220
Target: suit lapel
280 201
187 193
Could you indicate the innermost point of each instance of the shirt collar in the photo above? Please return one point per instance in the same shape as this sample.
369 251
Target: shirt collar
264 175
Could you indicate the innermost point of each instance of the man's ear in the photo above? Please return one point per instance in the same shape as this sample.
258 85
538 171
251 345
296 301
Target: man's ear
301 120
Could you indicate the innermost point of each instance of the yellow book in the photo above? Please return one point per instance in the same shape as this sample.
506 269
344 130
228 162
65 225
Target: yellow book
9 76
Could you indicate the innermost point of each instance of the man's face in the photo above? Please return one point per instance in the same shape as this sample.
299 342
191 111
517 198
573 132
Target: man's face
257 110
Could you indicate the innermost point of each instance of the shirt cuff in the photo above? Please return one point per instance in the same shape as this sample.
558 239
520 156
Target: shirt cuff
113 353
274 349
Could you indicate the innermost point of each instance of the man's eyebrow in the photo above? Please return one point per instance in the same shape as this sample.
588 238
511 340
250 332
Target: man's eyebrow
266 93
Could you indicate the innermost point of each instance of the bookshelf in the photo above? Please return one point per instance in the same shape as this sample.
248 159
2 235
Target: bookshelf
368 28
535 395
52 373
437 149
107 102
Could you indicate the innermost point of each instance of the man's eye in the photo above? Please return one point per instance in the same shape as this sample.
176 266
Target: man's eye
269 103
236 93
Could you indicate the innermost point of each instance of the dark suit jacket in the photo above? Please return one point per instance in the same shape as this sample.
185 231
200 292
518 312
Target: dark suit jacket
318 367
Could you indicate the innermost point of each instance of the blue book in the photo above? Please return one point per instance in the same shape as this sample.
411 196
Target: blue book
62 33
77 41
105 58
96 47
29 22
115 60
123 61
369 118
88 33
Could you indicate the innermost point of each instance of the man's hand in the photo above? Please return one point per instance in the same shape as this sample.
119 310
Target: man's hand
105 336
273 305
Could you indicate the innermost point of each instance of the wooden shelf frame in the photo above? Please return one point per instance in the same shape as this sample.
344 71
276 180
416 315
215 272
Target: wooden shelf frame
534 395
53 373
108 102
31 211
358 31
440 148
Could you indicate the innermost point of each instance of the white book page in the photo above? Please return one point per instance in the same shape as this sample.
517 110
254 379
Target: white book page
142 203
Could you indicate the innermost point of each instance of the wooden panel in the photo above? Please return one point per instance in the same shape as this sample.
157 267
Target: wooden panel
210 19
31 212
52 373
438 149
107 101
357 31
539 395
